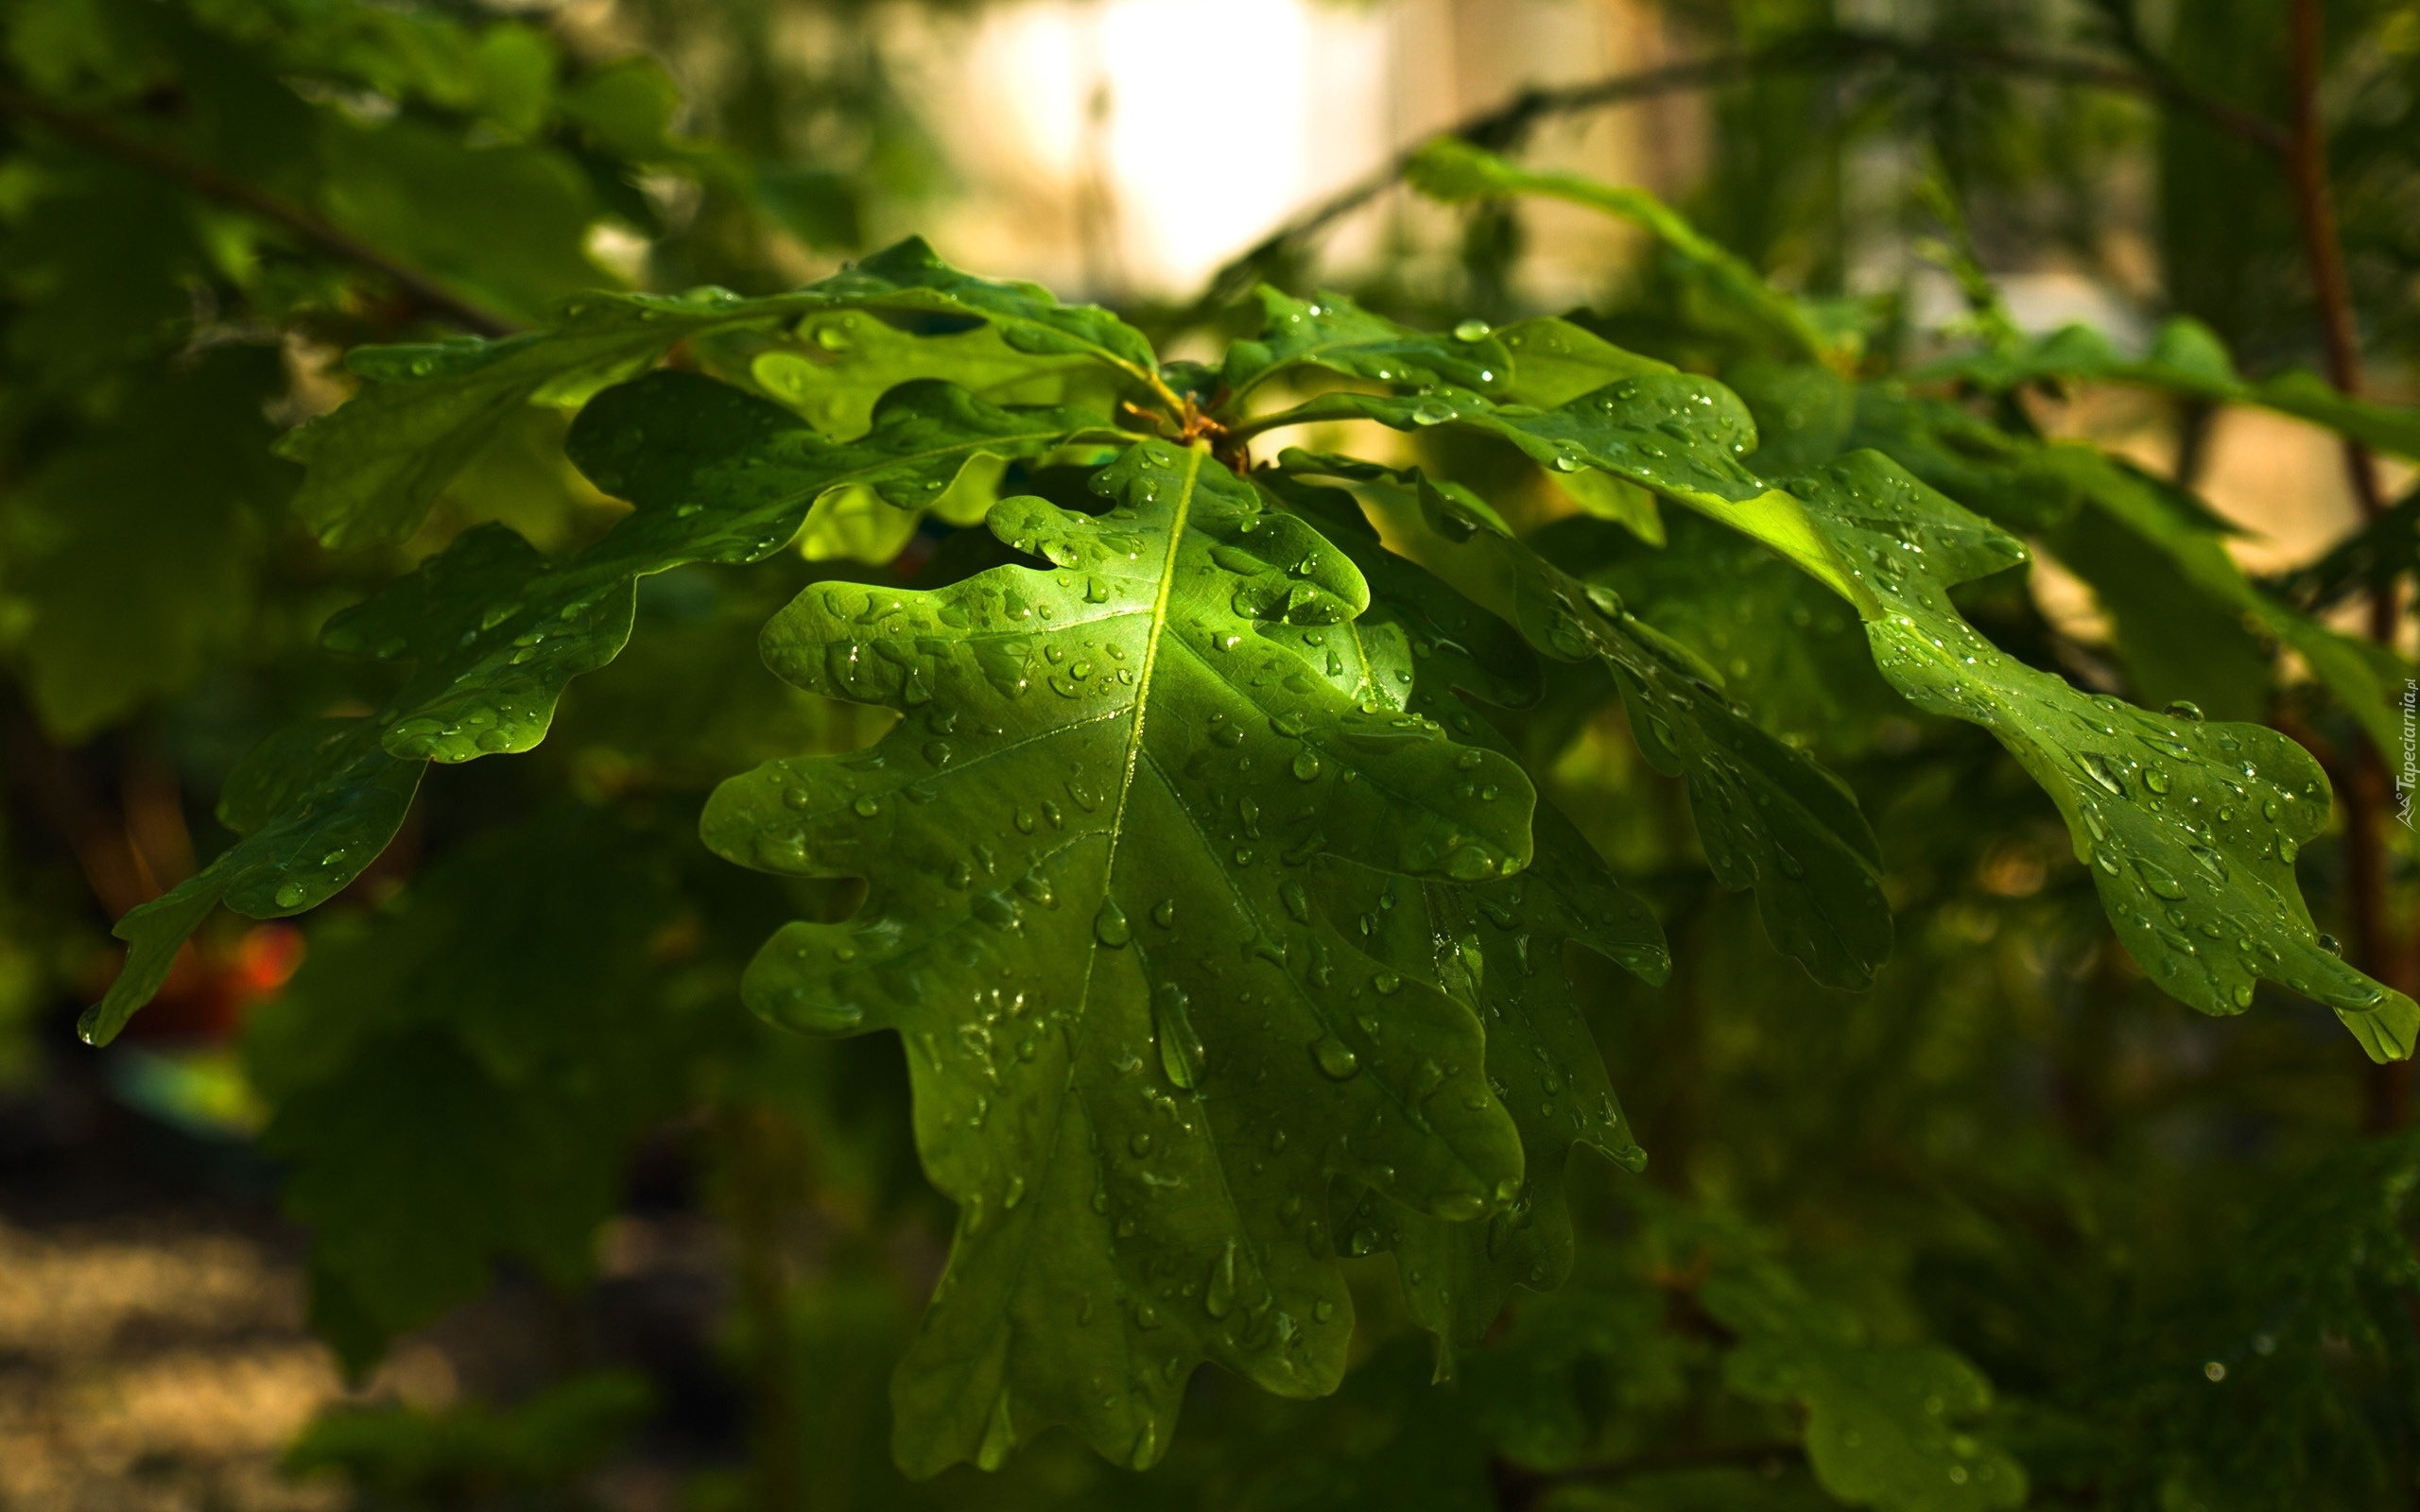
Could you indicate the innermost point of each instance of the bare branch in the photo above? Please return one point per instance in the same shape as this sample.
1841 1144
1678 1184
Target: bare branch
1507 124
211 183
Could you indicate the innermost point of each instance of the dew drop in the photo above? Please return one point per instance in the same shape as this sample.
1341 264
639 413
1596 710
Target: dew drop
1335 1058
1219 1296
1181 1054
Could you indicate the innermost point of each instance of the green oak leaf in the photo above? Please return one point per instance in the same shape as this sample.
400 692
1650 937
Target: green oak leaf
494 631
1882 1420
718 475
376 462
2189 620
134 548
2171 522
1768 816
2188 359
1554 362
1330 331
1135 1043
832 365
1499 946
460 1074
1795 655
313 805
2191 827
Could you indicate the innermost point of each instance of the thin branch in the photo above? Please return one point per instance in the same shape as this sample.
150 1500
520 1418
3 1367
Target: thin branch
2377 946
1507 124
2323 251
209 182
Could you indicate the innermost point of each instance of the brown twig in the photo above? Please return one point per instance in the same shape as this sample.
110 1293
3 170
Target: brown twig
1507 124
209 182
2376 948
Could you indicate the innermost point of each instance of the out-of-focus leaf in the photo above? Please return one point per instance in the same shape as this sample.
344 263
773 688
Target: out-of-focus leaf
1457 172
1883 1421
454 1457
2188 359
416 192
457 1079
135 545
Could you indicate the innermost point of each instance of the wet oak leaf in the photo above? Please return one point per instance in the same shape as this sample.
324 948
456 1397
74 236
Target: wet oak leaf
423 412
1330 331
494 631
1769 817
2191 826
1499 946
1138 1050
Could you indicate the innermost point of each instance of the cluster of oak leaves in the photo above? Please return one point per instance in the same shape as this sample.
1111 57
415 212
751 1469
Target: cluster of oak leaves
1225 933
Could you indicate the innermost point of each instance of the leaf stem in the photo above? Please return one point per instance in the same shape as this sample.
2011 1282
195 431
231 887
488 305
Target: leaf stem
210 183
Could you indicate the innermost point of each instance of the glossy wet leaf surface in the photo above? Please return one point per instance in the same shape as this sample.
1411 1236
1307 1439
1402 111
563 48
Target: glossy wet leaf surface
494 631
1501 946
1768 816
1138 1046
375 464
2192 827
1330 331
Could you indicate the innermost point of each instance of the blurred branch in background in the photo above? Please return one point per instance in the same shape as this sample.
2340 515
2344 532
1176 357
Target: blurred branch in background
1820 51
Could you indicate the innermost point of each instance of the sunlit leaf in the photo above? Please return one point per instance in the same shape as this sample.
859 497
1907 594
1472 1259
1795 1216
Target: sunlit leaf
494 631
2188 359
2191 827
423 412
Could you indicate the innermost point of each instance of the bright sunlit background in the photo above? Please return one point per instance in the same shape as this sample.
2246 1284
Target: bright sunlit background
1128 146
